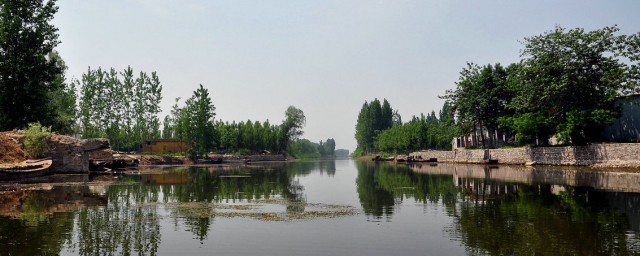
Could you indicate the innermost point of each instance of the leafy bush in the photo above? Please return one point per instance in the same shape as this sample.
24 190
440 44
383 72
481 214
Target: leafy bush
36 140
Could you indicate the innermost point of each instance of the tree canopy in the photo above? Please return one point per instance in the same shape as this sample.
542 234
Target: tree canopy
27 73
570 80
372 119
566 84
481 96
120 106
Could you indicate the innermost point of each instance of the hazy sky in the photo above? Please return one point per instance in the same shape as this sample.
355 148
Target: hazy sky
325 57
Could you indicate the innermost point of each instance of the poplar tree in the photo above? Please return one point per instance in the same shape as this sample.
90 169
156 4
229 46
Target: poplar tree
27 74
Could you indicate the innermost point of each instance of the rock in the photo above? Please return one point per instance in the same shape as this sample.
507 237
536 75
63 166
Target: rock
68 155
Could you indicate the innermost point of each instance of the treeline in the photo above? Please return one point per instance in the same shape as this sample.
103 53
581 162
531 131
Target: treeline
305 149
252 137
424 132
373 118
120 106
125 109
380 129
566 84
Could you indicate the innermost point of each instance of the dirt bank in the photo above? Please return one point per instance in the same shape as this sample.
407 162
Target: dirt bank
11 147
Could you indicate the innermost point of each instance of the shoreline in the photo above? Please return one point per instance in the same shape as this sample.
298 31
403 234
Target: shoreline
598 155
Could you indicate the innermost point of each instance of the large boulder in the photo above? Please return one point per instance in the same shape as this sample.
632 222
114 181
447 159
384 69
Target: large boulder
71 155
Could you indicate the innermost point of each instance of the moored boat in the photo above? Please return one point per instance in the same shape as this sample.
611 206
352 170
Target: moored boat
25 169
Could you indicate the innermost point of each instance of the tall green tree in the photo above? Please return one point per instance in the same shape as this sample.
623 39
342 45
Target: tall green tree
293 123
570 80
27 74
373 118
195 121
63 100
481 97
120 106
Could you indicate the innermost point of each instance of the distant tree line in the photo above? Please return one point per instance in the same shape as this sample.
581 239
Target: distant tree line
195 123
380 129
424 132
305 149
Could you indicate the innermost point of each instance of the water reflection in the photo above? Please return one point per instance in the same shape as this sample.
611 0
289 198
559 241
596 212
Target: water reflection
490 211
382 186
515 210
37 219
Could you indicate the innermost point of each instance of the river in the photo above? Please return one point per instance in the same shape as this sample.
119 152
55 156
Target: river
340 207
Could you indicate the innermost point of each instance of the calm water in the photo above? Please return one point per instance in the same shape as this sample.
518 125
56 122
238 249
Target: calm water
327 208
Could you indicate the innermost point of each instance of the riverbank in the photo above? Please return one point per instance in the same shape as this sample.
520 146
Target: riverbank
212 159
624 155
80 156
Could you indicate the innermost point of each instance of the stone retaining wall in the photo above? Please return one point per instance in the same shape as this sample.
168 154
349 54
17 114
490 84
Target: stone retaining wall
604 155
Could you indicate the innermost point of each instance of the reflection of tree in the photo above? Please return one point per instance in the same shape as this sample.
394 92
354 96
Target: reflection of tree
126 226
42 224
381 186
304 168
47 237
216 186
375 200
539 222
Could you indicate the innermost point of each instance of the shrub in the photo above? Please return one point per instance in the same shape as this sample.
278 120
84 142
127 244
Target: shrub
36 140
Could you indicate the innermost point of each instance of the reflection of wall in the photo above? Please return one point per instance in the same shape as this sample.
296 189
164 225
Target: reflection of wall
611 181
48 199
627 203
610 155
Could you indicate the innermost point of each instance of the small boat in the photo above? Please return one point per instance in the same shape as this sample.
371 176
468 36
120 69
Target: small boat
25 169
385 159
489 161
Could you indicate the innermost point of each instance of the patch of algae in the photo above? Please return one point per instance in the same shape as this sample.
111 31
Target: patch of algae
264 210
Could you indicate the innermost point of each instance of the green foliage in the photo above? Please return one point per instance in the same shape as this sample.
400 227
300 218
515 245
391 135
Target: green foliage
194 122
566 84
120 106
305 149
425 132
293 123
27 75
63 100
526 126
197 119
373 119
250 137
36 140
481 96
571 78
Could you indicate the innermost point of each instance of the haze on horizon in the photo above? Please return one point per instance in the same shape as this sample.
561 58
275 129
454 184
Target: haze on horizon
324 57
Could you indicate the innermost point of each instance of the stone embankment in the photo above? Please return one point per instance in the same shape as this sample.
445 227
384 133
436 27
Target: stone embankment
599 155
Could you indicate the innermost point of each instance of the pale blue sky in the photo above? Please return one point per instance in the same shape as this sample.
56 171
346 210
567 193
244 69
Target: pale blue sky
324 57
